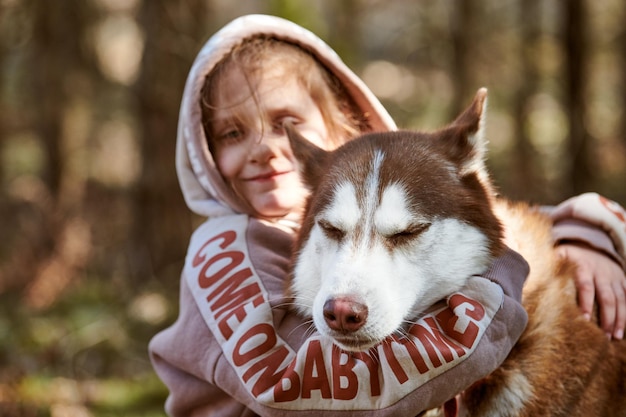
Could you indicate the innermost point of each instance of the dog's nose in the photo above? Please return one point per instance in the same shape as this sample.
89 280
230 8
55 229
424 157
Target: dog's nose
345 314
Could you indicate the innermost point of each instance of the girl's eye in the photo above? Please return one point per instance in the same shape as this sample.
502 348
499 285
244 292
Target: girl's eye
230 135
280 122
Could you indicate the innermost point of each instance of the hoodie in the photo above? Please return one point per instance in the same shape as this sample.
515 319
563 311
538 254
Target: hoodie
237 349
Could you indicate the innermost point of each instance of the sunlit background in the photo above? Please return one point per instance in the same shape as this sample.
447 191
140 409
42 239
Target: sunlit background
93 229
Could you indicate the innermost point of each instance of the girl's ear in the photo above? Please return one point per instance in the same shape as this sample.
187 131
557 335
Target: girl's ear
311 158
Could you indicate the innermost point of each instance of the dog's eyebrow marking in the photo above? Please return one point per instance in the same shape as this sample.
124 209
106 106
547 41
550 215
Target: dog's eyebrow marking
344 211
372 181
370 196
393 215
353 209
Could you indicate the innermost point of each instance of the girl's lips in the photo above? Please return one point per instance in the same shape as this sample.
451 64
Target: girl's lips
268 176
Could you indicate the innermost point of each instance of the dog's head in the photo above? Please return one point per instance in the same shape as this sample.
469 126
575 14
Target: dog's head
395 222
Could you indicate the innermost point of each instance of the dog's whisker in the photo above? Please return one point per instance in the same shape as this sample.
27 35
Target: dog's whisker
376 359
308 332
288 304
295 302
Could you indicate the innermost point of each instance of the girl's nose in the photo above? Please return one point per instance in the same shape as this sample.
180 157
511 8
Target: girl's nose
264 148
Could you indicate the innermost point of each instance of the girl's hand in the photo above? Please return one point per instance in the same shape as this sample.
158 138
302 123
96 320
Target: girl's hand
599 277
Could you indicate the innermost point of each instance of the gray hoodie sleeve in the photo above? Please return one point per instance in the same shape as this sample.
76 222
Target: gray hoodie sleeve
184 356
593 220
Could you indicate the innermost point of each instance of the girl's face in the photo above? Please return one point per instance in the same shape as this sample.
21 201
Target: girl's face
250 146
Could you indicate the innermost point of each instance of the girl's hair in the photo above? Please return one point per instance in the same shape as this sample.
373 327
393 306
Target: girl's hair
342 116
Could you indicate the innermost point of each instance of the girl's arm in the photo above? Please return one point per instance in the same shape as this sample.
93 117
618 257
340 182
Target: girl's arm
590 230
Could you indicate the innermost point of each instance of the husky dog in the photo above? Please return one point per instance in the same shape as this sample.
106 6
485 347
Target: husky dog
397 221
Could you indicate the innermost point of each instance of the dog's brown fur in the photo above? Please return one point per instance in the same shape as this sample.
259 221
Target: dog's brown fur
562 365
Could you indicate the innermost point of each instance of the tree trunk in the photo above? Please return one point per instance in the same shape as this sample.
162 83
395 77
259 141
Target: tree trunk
461 26
42 262
526 179
579 174
174 33
50 44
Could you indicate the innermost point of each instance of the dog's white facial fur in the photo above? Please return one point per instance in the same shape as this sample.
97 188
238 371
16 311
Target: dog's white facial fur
391 227
396 280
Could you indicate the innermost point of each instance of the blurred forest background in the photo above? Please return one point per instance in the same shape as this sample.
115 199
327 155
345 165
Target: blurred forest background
93 228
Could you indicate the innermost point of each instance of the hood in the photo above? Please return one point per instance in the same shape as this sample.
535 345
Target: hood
204 190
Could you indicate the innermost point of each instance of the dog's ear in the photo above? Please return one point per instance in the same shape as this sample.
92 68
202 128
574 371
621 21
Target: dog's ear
311 158
465 137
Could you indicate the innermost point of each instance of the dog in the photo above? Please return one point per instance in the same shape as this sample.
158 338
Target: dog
397 221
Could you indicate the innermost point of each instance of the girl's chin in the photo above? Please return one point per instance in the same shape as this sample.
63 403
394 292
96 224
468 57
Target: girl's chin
273 206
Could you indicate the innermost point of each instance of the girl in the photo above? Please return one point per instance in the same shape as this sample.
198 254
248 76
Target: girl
237 348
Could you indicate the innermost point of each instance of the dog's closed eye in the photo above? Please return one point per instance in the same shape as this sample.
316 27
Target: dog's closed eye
405 235
331 231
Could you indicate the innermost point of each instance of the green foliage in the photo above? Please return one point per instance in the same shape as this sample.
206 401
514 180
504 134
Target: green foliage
86 354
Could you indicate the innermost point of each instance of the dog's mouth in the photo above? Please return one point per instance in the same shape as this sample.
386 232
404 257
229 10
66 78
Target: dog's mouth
354 343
